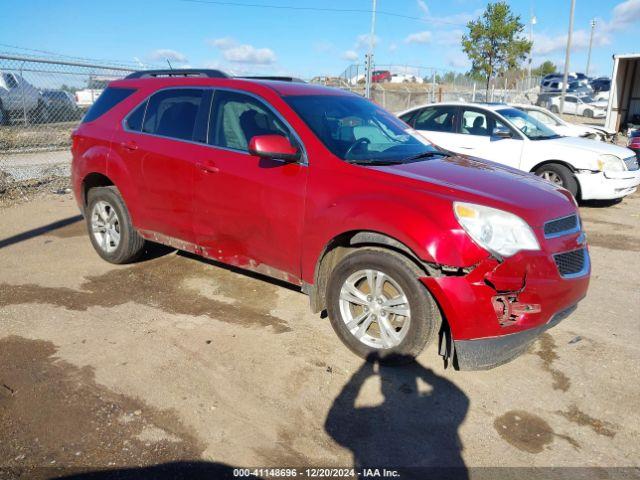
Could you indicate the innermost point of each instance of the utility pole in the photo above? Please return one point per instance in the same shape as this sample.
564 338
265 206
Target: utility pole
593 27
567 57
533 22
369 62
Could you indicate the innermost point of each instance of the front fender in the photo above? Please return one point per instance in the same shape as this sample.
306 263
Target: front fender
429 231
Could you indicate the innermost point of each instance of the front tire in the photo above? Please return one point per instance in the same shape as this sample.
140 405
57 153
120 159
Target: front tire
555 109
378 307
109 225
588 113
559 175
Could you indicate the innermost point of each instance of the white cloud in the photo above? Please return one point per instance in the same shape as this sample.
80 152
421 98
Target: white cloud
362 42
448 37
393 47
422 5
350 55
163 54
544 44
243 53
624 15
419 37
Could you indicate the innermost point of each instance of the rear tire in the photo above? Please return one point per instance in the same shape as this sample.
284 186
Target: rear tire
588 113
109 225
386 335
559 175
554 109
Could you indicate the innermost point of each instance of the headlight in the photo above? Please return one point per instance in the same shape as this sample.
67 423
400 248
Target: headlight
497 231
610 163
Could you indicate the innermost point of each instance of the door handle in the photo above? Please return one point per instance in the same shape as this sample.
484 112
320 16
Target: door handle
129 145
209 168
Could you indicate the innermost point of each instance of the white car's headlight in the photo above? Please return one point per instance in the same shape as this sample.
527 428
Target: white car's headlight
497 231
610 163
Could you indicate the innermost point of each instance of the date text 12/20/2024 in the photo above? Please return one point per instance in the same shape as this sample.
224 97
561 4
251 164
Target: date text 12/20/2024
315 473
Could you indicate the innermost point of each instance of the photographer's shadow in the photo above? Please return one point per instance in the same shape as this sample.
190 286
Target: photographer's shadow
414 430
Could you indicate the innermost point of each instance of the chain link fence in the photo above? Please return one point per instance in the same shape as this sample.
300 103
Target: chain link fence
41 102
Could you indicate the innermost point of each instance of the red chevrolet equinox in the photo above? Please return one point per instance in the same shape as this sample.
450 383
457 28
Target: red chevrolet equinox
399 241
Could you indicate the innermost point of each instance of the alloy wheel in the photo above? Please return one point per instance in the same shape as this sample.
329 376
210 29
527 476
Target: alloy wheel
105 226
375 309
552 177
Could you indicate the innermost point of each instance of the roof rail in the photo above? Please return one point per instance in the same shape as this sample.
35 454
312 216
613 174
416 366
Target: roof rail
188 72
273 77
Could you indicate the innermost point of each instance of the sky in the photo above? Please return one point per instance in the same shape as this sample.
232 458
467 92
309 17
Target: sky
306 43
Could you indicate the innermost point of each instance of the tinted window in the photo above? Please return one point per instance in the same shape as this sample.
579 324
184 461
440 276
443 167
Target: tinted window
236 118
407 117
172 113
570 99
358 130
134 120
105 102
11 81
437 119
479 123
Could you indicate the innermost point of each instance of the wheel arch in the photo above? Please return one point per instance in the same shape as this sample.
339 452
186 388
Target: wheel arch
94 180
548 162
340 245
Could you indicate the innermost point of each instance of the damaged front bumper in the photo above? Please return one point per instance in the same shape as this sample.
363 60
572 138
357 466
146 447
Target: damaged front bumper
607 185
495 311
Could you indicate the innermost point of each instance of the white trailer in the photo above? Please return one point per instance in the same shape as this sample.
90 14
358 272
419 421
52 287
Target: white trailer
624 96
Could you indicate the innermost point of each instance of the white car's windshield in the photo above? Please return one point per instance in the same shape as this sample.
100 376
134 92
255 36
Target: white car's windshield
532 128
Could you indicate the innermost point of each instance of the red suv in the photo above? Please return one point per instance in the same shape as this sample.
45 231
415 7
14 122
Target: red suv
397 240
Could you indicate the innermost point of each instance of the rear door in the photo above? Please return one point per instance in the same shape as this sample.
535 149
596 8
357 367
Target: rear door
159 146
477 138
438 124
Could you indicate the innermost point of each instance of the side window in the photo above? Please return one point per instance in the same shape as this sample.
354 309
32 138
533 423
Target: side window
134 120
106 101
172 113
237 118
437 119
408 117
571 99
10 80
475 122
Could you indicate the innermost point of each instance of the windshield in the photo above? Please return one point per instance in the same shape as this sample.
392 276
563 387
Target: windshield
359 131
532 128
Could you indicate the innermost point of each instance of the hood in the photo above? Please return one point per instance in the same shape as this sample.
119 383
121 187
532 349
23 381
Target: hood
589 145
491 184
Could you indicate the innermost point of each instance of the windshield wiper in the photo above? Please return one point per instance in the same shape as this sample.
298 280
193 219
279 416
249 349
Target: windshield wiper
375 162
430 154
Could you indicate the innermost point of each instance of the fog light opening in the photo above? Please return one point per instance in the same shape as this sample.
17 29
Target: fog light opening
509 310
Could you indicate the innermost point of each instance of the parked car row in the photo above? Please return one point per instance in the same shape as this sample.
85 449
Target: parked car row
506 134
404 236
22 101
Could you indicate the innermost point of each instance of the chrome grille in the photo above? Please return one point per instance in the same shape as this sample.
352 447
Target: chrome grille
631 163
572 263
561 226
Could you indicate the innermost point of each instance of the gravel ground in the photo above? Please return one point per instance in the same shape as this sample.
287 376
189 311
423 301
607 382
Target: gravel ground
175 367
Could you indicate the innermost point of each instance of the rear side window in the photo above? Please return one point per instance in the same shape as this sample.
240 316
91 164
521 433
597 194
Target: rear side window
105 102
436 119
134 120
173 113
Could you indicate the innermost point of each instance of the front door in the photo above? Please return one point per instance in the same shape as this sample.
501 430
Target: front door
248 211
477 138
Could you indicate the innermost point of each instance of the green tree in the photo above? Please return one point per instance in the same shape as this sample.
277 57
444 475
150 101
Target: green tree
494 42
546 68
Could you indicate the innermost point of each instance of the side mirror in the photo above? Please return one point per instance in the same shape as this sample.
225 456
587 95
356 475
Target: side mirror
501 132
276 147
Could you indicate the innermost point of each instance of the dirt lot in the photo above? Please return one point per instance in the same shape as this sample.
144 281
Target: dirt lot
175 359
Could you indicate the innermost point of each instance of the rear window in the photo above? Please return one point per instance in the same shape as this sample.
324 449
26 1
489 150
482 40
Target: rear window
105 102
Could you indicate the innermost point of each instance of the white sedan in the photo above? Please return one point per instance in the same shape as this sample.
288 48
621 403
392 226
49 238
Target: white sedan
562 127
584 106
589 169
